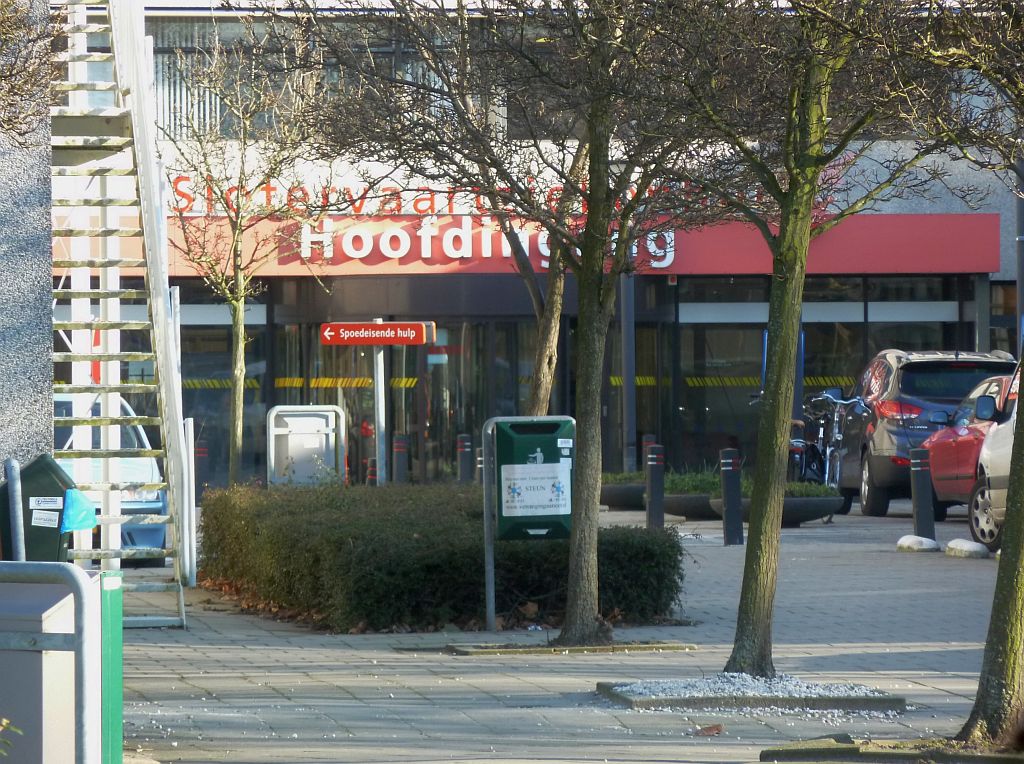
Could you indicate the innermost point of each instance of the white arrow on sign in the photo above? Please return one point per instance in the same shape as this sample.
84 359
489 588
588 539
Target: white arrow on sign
328 332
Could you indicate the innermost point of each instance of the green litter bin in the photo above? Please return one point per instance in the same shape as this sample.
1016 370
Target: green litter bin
534 460
43 484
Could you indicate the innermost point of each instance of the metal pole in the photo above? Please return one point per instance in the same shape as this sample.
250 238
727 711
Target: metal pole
627 325
190 502
654 467
732 500
86 671
489 498
1019 169
13 472
379 411
921 493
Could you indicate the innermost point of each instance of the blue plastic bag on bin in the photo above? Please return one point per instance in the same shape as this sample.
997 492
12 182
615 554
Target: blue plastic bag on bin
79 512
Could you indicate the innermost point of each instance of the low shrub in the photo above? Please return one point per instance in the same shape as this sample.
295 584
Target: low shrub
622 478
700 482
413 556
793 489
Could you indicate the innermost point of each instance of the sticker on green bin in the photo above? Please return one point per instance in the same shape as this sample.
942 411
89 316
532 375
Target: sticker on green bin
534 460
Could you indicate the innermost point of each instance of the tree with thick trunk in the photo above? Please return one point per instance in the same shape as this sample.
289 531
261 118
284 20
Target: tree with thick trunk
539 109
981 45
794 113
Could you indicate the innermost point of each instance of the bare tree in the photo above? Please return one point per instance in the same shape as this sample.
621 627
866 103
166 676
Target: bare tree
236 145
982 45
534 106
801 125
27 69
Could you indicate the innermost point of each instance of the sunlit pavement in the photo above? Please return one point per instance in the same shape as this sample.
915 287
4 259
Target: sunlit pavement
242 688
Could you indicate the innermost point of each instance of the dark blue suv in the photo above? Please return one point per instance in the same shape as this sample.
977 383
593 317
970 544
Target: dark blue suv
902 398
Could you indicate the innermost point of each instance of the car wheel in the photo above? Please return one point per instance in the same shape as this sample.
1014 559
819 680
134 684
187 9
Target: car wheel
874 501
844 508
984 528
940 509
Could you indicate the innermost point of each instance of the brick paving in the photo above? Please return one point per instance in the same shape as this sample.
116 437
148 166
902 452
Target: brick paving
241 688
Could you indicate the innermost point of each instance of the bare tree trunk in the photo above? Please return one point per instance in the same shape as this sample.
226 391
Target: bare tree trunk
998 714
752 646
545 355
582 625
237 389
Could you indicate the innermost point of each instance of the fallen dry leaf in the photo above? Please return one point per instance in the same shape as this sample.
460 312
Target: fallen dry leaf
711 730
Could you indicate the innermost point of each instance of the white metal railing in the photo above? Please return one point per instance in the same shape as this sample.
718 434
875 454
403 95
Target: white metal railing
134 63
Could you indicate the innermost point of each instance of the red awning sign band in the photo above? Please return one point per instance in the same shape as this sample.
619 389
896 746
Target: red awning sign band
373 333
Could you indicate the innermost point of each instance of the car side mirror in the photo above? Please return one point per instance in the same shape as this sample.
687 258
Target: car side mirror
939 417
985 408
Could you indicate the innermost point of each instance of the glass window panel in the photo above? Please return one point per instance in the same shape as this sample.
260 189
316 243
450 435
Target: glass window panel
833 289
720 369
725 289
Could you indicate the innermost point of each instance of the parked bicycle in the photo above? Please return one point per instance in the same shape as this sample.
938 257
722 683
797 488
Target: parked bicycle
829 441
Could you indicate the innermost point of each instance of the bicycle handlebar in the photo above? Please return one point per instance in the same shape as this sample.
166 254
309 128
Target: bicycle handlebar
831 399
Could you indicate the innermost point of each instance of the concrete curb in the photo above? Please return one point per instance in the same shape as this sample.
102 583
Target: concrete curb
846 703
838 749
639 647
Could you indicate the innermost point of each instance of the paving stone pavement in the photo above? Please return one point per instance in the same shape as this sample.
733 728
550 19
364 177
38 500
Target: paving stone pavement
241 688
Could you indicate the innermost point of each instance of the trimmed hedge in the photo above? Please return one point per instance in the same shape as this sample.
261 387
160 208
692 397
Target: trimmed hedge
413 556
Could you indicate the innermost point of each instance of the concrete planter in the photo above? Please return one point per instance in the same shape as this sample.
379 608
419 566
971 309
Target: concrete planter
692 506
795 509
621 496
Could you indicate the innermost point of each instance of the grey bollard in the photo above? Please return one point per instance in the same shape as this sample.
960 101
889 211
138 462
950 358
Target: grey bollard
399 458
12 471
921 493
479 477
647 439
371 472
732 498
654 495
465 458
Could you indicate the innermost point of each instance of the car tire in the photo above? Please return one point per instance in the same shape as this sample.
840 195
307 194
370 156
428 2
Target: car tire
984 528
848 497
940 509
874 501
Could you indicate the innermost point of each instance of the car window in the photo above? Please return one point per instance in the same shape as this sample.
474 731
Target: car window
876 380
945 380
1011 394
62 436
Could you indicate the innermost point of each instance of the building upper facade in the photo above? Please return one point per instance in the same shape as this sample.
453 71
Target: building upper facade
413 227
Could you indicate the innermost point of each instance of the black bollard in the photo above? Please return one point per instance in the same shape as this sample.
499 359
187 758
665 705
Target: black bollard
479 477
464 458
921 493
654 496
732 498
647 439
399 458
371 472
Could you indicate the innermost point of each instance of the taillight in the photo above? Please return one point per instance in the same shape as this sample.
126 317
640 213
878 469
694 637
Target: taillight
900 461
896 410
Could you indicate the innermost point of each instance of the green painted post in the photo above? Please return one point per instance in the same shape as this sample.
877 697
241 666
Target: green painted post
112 666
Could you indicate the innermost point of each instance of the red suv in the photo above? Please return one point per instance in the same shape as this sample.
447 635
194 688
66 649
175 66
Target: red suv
902 398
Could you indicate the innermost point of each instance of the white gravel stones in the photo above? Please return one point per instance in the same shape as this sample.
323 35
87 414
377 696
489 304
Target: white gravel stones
917 544
745 685
965 548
